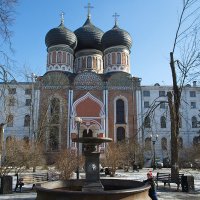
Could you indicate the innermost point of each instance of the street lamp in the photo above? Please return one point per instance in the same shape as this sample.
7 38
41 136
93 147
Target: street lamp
154 138
1 142
78 121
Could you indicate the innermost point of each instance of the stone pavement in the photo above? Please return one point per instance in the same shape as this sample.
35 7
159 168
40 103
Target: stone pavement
164 193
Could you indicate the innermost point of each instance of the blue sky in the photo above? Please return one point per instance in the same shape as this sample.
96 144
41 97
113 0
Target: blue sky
152 25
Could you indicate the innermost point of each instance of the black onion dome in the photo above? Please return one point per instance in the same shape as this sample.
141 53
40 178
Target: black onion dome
88 36
61 35
116 36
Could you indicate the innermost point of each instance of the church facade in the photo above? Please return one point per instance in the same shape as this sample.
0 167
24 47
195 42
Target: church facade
88 76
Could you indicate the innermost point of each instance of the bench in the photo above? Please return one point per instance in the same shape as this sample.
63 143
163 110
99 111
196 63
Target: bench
166 179
31 178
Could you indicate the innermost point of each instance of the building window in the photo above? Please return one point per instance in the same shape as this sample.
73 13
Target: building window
194 122
54 138
11 102
163 122
161 93
27 121
28 102
162 104
192 94
120 114
146 93
120 134
180 142
113 58
196 141
147 122
147 143
88 133
146 104
59 57
193 105
119 58
55 111
164 143
106 60
28 91
68 59
109 59
12 91
49 58
10 120
89 62
127 60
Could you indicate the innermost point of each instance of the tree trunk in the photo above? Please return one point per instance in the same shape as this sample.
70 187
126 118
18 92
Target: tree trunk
174 105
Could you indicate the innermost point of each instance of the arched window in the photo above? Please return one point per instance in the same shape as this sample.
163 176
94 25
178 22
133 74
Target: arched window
147 144
10 120
127 60
68 59
120 134
120 113
53 138
59 57
163 122
147 122
89 62
113 58
55 111
196 140
106 60
49 58
164 143
109 59
119 58
194 122
88 133
27 120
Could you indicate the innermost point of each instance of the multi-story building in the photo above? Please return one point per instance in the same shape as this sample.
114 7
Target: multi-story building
88 76
154 118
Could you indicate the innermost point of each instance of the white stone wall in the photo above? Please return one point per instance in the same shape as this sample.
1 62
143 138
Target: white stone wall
19 110
187 133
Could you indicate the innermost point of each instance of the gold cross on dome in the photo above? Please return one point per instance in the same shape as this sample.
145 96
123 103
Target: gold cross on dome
88 8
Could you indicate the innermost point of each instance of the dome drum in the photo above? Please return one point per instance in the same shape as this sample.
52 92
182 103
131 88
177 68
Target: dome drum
89 63
116 59
61 47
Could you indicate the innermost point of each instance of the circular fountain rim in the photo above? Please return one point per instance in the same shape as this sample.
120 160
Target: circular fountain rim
142 188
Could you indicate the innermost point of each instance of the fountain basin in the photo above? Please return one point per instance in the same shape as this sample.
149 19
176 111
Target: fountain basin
114 189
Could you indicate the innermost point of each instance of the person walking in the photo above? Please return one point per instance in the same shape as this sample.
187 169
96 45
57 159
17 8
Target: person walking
152 190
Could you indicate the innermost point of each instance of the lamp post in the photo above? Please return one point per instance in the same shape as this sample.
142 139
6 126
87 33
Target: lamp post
78 121
154 139
1 142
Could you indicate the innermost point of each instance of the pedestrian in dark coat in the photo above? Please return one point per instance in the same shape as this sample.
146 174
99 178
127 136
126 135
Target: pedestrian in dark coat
152 190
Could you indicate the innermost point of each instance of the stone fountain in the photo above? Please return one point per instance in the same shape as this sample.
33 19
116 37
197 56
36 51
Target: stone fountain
92 187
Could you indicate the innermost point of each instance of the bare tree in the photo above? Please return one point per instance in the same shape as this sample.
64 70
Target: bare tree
66 163
187 40
7 17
